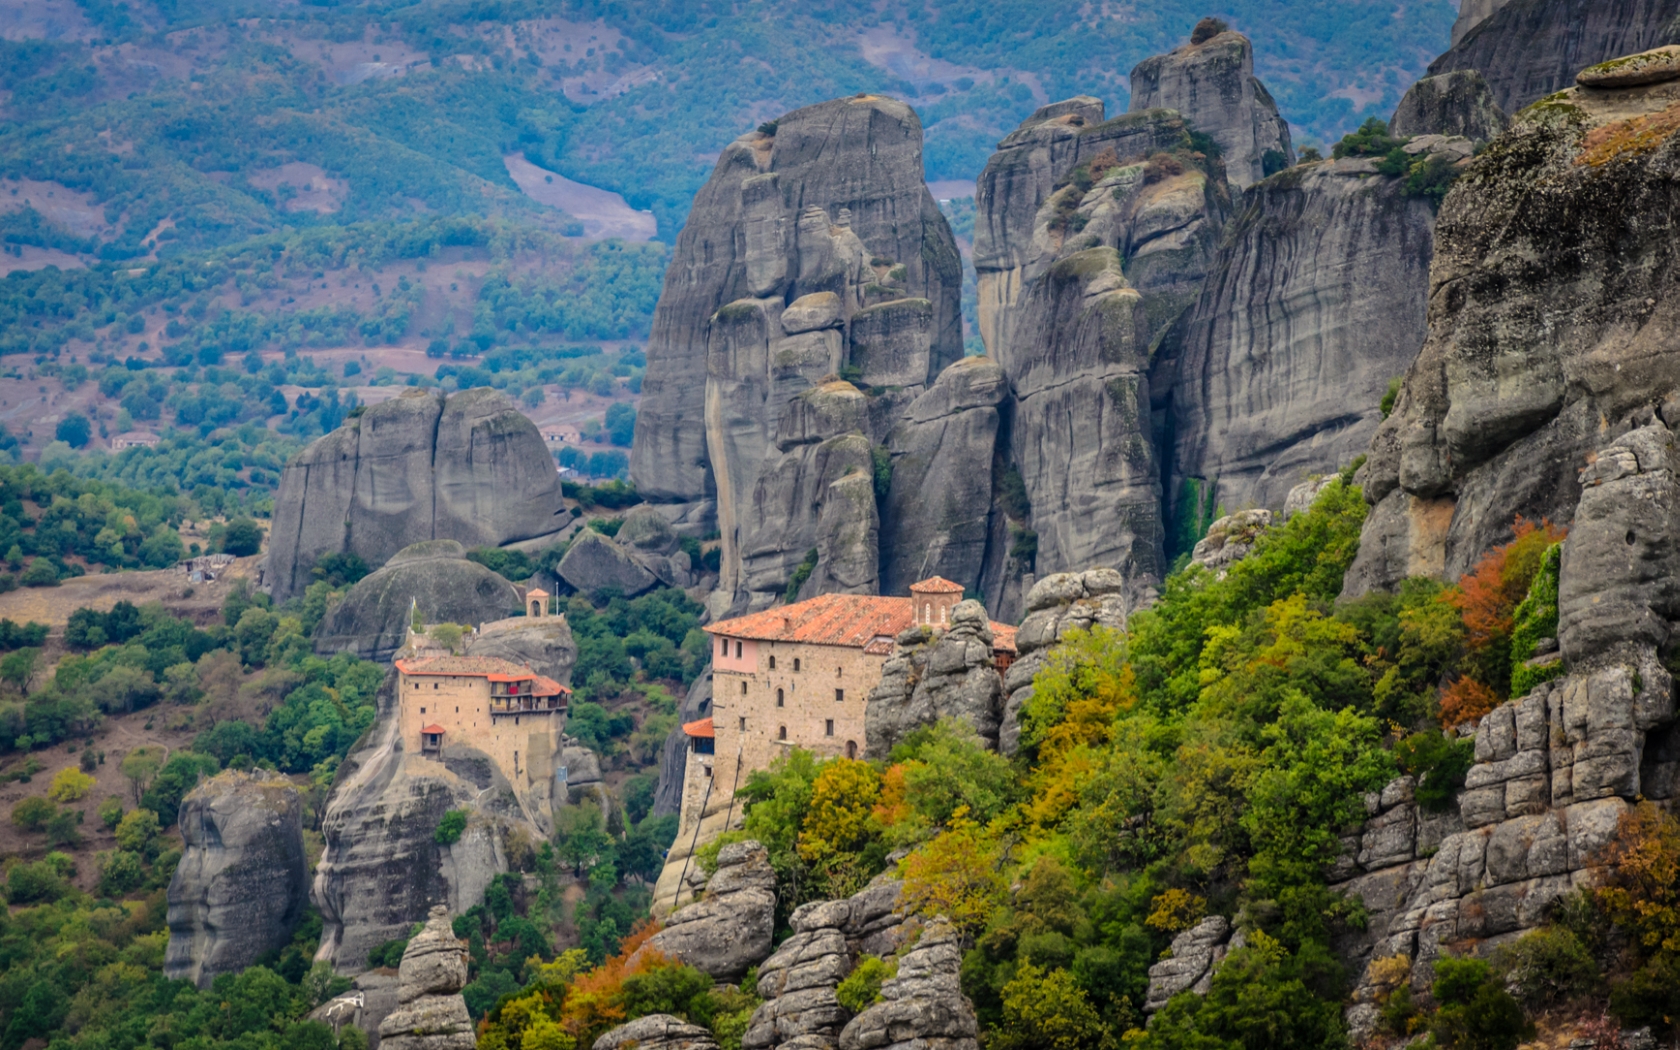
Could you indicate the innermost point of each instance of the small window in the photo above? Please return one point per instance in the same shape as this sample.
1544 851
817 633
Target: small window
772 663
779 699
839 672
723 647
738 650
839 696
851 749
828 729
743 688
434 685
708 770
743 724
422 710
796 665
457 710
781 733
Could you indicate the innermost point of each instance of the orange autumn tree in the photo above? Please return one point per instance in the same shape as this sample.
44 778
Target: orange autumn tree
1486 599
594 1001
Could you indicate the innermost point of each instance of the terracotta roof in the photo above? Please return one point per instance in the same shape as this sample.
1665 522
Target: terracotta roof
1003 636
702 728
547 687
491 667
434 729
853 620
936 585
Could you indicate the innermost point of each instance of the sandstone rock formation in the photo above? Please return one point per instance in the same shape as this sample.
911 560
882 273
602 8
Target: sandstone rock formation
1314 304
1229 540
814 248
594 563
798 982
657 1032
1195 954
1528 49
730 928
1211 82
242 882
1555 769
418 467
923 1006
542 643
382 869
934 675
431 1015
434 575
1458 103
1521 375
1058 604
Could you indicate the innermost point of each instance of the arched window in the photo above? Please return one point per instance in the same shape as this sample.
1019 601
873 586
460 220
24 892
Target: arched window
536 607
927 613
851 749
796 663
778 698
781 733
772 663
743 688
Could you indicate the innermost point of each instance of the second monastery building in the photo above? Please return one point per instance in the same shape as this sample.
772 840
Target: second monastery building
800 676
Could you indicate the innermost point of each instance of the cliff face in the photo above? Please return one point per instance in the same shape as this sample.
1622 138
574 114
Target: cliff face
1211 82
1314 303
418 467
373 619
241 885
1526 366
813 252
1528 49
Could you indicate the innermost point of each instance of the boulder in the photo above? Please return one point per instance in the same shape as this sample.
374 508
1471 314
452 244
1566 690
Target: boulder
1190 963
648 531
469 467
431 1014
1528 49
730 928
798 982
933 676
242 883
1229 540
1518 383
542 643
1647 67
373 619
656 1032
1211 82
594 563
923 1005
1455 103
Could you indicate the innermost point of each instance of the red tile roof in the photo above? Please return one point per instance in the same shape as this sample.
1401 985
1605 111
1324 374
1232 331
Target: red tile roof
702 728
433 729
493 668
1003 636
852 620
936 585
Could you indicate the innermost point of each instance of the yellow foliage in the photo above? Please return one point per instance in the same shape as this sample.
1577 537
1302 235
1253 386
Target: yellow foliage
841 816
894 805
1389 973
1175 910
957 876
69 785
1643 895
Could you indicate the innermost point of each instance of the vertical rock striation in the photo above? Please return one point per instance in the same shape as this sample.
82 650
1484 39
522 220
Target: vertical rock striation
923 1006
933 676
469 467
242 882
1211 82
1528 49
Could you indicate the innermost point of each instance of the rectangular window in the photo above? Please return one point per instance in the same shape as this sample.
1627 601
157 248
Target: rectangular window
743 725
829 728
772 663
422 710
796 663
738 650
723 647
839 695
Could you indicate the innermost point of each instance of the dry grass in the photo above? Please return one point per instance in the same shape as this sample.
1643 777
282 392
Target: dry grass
1629 137
199 602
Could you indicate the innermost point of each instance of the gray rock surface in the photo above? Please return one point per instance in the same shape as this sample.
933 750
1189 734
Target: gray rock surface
729 929
1057 604
657 1032
673 757
594 563
933 675
542 643
1528 49
417 467
1190 964
1314 304
1519 380
1472 13
798 981
373 619
242 883
803 210
431 1014
923 1006
1229 540
382 870
1211 82
1455 103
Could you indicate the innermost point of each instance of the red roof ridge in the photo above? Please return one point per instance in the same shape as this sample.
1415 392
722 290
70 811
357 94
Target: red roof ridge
702 728
434 729
850 620
936 585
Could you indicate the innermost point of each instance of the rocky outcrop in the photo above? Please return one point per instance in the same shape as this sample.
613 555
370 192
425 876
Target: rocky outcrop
934 675
657 1032
434 575
1528 49
730 928
813 250
431 1014
1190 964
1229 540
382 869
798 982
469 467
1315 303
594 564
673 758
1524 372
542 643
1211 82
1057 604
923 1005
1458 103
242 882
939 506
1555 769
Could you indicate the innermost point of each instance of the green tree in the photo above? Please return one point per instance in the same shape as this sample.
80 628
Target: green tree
74 430
32 813
242 538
